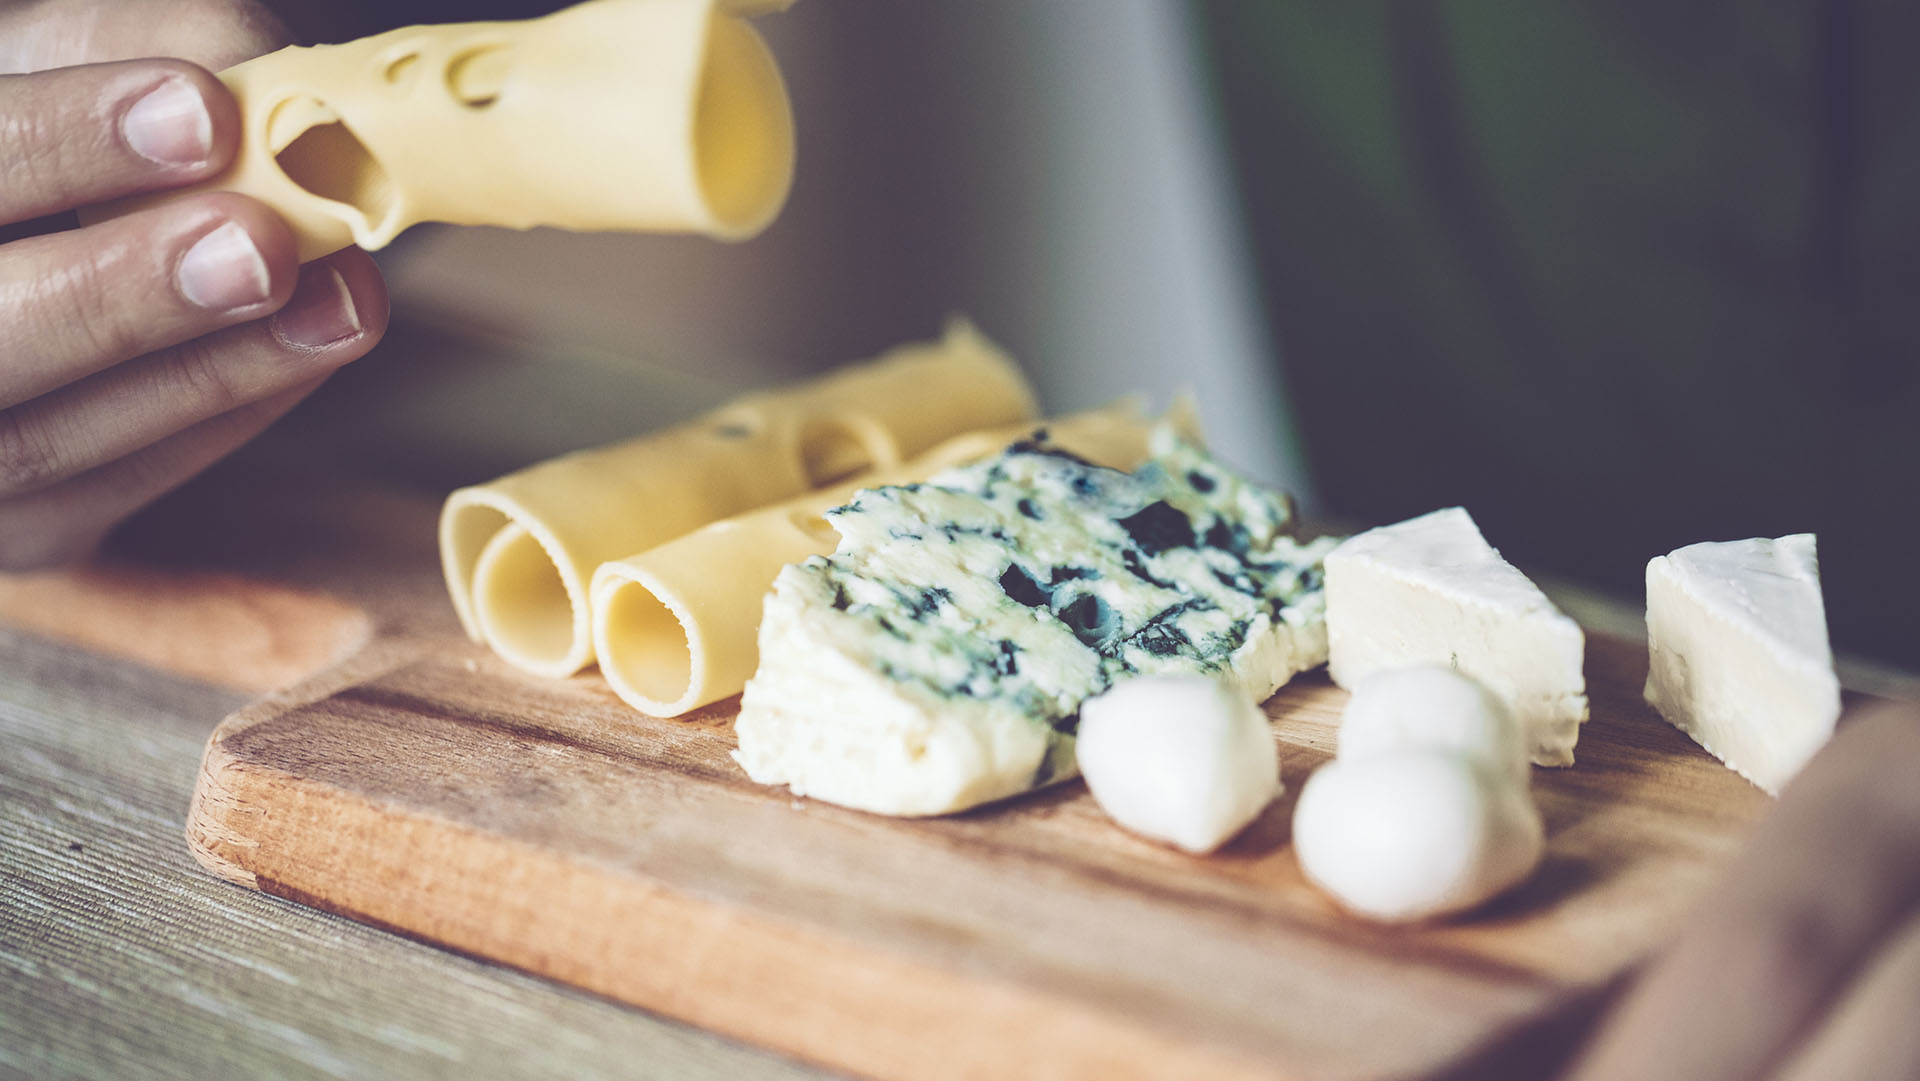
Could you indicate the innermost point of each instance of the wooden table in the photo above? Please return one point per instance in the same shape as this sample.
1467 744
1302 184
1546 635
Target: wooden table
119 957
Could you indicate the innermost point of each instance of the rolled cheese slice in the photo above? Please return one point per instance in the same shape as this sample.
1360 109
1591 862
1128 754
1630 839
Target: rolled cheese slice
642 115
518 552
676 627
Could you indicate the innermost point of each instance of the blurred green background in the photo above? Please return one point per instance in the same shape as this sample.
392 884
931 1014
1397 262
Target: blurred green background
1616 276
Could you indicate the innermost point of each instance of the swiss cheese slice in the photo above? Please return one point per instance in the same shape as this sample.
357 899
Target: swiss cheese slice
519 552
647 115
1738 653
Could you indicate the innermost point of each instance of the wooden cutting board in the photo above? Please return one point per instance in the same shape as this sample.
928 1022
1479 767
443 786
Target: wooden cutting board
415 783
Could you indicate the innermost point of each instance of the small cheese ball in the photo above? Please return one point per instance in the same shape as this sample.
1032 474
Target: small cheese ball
1437 708
1411 834
1183 759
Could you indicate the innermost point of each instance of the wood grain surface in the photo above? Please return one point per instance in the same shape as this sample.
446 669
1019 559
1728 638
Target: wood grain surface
121 959
424 787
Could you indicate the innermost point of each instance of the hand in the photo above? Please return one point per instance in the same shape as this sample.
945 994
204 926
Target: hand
140 350
1805 963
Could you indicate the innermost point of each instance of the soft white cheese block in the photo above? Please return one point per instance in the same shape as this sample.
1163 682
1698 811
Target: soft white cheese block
1429 707
1413 833
1739 660
1188 760
938 659
1431 590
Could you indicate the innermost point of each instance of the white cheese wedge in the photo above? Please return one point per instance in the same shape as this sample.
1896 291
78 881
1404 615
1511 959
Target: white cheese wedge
1738 653
939 658
1430 590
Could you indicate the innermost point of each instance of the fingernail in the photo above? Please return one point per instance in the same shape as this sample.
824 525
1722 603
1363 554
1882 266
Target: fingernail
320 313
170 125
223 271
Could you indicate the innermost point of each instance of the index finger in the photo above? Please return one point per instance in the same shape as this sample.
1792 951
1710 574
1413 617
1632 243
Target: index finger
75 136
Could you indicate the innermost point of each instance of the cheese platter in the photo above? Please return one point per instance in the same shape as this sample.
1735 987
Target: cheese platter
419 783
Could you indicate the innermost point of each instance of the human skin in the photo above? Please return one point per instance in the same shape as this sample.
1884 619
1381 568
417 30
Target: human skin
139 351
116 385
1803 963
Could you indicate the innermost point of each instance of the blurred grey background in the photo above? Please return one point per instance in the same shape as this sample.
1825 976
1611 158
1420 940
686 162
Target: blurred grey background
1046 169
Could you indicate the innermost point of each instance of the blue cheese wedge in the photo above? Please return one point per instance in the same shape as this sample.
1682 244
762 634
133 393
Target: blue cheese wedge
938 659
1738 653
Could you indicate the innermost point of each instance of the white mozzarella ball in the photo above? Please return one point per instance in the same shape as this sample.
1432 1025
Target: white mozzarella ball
1184 759
1406 835
1433 707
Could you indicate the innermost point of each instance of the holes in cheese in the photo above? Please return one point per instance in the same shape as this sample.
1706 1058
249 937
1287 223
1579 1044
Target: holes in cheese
476 75
527 611
814 524
636 115
331 162
520 552
832 449
646 649
401 69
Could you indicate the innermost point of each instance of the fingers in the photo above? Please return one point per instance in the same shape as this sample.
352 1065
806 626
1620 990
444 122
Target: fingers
84 300
135 353
1829 877
77 136
1872 1035
67 522
337 312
